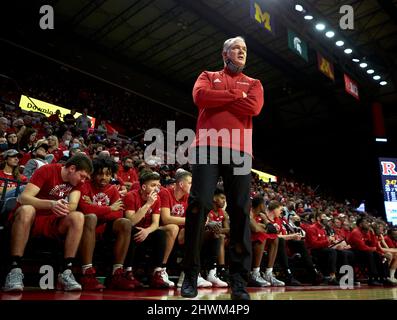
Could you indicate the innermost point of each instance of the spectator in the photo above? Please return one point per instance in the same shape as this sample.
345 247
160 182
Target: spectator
3 143
40 157
69 119
127 172
53 148
28 140
55 117
10 170
102 130
3 124
83 123
12 140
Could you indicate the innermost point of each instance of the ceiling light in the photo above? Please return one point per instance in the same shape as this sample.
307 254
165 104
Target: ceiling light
299 8
320 26
308 17
348 51
330 34
370 71
363 65
356 60
339 43
383 83
376 77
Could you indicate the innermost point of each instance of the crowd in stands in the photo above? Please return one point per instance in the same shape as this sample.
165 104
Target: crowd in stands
81 185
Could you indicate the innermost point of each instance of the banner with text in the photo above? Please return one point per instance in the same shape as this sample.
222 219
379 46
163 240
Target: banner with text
47 108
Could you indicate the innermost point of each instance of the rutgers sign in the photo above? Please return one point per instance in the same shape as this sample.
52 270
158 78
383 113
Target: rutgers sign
388 168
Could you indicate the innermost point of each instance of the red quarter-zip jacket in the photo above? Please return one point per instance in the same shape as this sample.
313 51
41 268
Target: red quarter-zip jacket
219 98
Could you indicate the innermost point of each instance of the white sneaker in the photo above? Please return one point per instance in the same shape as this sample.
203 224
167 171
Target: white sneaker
14 281
164 276
67 282
202 283
273 281
216 282
256 280
392 280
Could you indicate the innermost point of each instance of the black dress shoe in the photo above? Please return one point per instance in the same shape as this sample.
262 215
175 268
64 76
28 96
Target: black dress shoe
291 281
189 285
375 283
238 288
318 278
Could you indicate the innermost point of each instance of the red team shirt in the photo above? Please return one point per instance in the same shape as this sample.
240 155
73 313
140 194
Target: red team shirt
133 201
102 199
261 236
127 176
168 200
10 184
316 237
217 217
48 178
219 97
363 241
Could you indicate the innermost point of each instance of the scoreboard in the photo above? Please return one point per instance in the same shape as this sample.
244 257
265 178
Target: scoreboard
388 173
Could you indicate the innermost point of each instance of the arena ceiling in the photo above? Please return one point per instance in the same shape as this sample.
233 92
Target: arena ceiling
157 48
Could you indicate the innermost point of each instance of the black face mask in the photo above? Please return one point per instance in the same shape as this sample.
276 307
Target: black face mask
232 67
324 222
297 223
3 146
126 168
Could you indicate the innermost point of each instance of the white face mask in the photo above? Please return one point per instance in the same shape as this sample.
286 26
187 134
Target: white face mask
116 159
67 142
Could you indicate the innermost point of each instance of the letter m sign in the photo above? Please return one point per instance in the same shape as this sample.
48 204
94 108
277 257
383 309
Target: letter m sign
261 15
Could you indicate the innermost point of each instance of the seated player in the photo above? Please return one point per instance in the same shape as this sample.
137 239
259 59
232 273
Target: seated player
217 227
142 207
367 251
173 208
290 242
323 244
263 233
47 207
103 214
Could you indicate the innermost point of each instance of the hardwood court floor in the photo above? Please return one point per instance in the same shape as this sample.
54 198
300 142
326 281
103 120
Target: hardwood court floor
288 293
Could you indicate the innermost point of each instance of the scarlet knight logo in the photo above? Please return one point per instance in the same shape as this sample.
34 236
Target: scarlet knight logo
101 199
61 190
388 168
178 210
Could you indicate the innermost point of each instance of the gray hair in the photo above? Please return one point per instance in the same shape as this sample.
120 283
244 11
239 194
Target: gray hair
229 42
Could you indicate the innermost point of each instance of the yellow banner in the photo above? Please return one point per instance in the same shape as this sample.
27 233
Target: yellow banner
47 108
265 176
